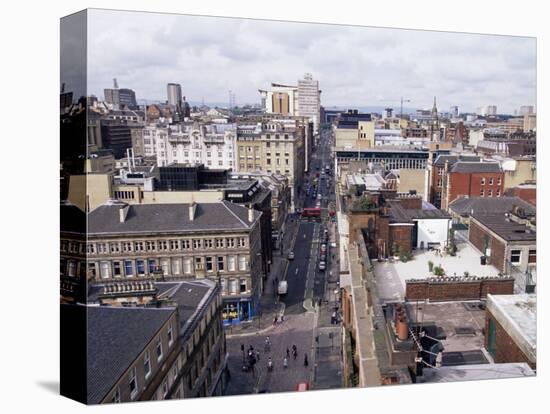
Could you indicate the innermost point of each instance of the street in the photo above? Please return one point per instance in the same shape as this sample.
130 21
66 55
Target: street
309 306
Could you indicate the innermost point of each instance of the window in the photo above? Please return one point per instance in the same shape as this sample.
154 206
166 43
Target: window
150 246
116 396
140 264
439 182
231 242
490 193
242 242
208 244
90 248
242 286
92 270
532 256
127 246
164 388
482 193
197 244
242 263
187 266
128 268
498 192
233 287
174 244
117 271
159 349
104 269
491 181
222 285
138 246
102 248
163 245
209 264
219 243
132 382
220 263
185 244
482 180
440 171
170 335
515 256
115 247
198 263
152 265
147 364
231 263
499 181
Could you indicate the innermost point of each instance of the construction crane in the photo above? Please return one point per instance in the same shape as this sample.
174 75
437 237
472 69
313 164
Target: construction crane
401 100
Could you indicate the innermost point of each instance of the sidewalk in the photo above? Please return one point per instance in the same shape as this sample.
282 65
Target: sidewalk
270 307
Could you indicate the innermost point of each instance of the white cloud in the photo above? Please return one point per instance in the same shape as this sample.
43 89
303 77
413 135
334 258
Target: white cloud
355 66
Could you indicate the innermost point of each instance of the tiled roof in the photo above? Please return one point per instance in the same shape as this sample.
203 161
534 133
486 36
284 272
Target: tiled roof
476 167
116 336
170 218
507 229
484 205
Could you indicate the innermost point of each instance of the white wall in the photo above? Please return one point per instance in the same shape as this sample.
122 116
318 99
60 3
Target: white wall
432 231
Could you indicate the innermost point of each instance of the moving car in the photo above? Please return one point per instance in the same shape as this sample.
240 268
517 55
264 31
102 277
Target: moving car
290 255
323 247
322 265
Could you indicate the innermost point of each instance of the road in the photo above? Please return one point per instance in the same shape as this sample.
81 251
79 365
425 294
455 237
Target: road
309 305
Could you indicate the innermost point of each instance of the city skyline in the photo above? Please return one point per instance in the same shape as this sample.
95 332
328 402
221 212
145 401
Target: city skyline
364 65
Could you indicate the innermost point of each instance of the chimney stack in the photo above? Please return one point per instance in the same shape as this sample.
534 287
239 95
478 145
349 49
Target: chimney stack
123 212
192 211
250 214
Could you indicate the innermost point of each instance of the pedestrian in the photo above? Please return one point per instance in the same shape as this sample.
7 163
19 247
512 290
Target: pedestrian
288 353
257 355
276 280
269 365
285 362
294 348
294 354
306 363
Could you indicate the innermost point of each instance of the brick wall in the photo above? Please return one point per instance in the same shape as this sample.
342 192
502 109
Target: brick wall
402 236
470 184
526 194
506 349
449 289
498 248
411 202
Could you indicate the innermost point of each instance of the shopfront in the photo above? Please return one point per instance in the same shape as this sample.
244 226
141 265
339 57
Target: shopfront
237 310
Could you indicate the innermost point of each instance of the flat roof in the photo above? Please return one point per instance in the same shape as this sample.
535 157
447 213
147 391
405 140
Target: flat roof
476 372
391 276
517 314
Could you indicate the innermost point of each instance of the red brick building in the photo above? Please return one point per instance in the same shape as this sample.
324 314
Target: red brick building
511 328
527 192
437 176
472 179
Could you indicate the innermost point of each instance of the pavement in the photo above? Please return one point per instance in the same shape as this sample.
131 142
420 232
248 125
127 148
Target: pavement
306 310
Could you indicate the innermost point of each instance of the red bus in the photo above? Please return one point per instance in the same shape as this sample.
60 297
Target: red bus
311 212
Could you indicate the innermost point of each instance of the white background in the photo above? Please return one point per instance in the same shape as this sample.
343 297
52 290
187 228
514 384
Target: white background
29 204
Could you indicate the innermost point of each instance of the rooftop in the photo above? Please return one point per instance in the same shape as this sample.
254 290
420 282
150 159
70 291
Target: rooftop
170 218
391 276
476 372
476 167
517 314
484 205
505 227
124 333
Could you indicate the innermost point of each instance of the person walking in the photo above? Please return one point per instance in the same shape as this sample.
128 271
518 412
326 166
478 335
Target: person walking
306 363
294 352
285 362
269 365
257 355
288 353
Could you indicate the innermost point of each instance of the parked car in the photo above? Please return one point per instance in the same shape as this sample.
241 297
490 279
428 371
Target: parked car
290 255
323 257
323 247
322 265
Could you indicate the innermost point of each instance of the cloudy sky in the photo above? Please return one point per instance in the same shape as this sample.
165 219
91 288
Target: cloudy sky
356 66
